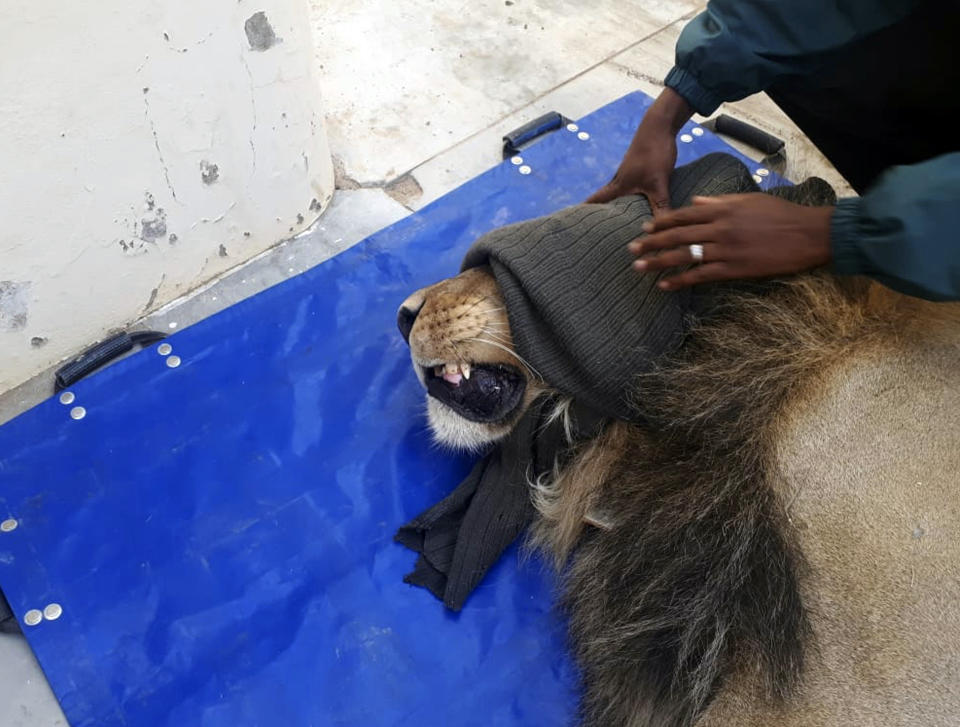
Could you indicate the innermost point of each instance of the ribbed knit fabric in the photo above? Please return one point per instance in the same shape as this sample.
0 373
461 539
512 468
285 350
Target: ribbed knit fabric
460 537
584 319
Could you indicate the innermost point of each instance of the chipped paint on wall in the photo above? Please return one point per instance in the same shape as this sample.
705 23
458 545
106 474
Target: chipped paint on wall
154 226
209 172
141 182
14 305
260 33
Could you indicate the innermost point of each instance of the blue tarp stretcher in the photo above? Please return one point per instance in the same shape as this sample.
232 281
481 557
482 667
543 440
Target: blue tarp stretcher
219 535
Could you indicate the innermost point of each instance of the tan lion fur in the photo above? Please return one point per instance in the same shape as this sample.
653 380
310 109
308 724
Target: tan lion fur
818 422
867 458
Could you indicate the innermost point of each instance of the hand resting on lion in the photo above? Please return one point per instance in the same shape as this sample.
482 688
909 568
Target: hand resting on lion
760 524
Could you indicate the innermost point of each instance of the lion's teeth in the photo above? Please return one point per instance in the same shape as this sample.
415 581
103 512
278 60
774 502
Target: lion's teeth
452 371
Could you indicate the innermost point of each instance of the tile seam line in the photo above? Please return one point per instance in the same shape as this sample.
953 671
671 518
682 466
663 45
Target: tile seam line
572 78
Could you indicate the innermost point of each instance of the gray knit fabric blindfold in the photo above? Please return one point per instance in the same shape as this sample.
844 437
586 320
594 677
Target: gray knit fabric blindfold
585 321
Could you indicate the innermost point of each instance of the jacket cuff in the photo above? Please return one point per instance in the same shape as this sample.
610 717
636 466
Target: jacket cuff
845 238
704 102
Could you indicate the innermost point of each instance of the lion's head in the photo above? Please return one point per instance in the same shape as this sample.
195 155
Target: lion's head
463 354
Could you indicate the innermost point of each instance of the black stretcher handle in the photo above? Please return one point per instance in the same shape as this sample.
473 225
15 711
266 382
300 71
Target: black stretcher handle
102 354
531 130
748 134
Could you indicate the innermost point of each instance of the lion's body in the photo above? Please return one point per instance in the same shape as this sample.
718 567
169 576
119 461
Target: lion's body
869 462
784 533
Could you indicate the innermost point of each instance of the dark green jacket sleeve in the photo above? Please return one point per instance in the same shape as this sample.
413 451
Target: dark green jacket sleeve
905 231
736 48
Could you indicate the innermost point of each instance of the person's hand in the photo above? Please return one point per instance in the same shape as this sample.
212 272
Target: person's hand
742 236
652 154
645 168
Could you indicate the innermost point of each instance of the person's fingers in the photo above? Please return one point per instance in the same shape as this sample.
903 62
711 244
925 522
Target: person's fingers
717 200
700 201
675 258
606 193
684 216
659 198
707 273
671 238
658 206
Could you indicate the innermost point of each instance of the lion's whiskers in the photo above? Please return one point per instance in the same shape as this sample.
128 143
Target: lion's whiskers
526 364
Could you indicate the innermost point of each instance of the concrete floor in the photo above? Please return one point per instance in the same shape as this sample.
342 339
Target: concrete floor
419 94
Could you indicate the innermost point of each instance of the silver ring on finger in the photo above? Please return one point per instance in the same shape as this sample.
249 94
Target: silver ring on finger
696 253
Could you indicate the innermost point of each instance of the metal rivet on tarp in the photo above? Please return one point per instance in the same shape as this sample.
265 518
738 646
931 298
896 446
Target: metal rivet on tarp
67 397
573 127
173 362
583 136
686 138
525 169
53 611
697 131
763 171
33 617
757 178
78 412
164 349
516 161
8 525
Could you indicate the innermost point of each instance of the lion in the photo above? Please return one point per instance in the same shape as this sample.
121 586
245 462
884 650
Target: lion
777 543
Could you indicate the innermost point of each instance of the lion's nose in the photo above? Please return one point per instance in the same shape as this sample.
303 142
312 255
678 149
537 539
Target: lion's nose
406 316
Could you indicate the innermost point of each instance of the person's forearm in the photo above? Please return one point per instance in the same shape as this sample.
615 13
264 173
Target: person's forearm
903 231
670 110
736 48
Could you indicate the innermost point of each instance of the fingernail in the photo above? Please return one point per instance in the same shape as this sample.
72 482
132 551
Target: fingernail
635 247
663 285
647 226
640 265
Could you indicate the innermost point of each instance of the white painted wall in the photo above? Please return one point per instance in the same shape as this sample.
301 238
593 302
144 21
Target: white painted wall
145 147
